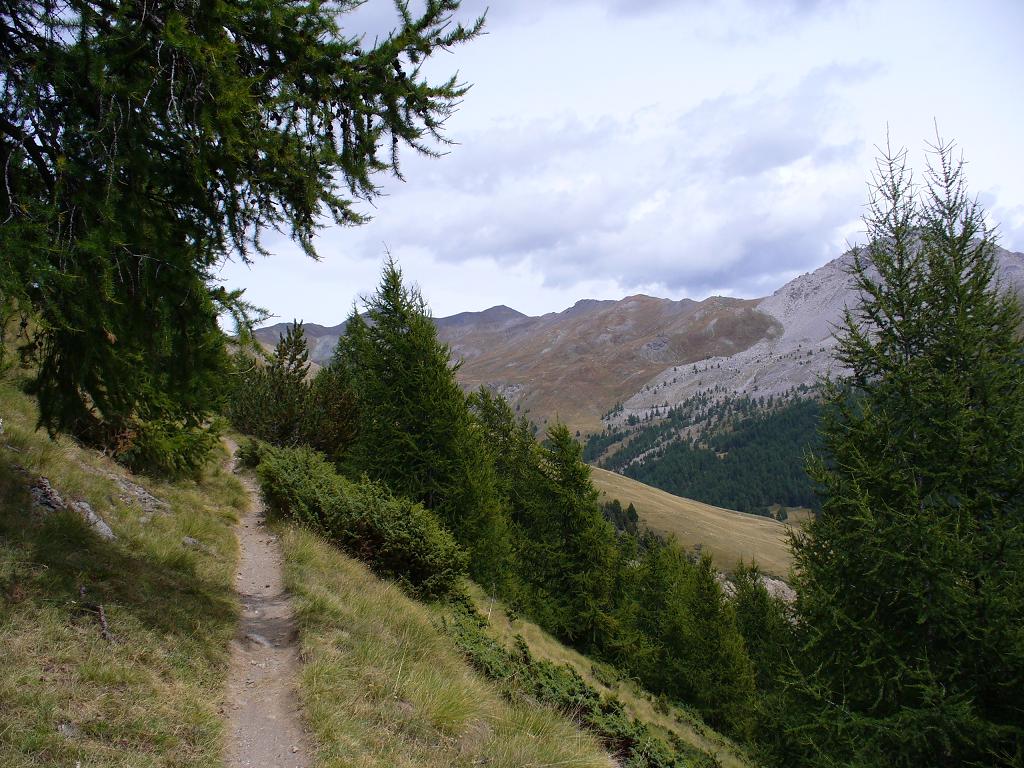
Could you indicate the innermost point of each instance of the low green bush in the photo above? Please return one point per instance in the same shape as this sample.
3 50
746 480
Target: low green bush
167 448
251 452
395 537
560 686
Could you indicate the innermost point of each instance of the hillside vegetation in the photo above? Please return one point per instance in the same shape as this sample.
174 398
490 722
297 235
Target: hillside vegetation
383 686
738 452
142 686
667 721
725 534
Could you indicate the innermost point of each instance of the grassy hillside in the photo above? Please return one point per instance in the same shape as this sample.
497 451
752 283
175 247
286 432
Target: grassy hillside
383 686
727 535
149 695
667 721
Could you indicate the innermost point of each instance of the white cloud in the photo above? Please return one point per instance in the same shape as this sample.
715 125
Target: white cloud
680 148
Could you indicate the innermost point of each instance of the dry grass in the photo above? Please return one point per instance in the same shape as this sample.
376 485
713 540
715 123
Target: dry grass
798 516
69 696
727 535
664 719
383 686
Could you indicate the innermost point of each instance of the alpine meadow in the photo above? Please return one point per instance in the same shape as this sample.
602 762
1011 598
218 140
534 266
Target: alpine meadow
743 530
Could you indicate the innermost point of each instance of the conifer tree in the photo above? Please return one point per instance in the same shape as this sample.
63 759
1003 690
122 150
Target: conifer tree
695 653
911 580
143 143
415 430
286 381
585 541
329 420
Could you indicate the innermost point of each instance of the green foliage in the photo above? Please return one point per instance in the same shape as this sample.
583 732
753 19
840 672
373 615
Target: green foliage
642 604
397 538
277 402
562 688
740 453
415 431
911 580
765 624
143 143
625 520
599 442
563 548
328 420
167 449
584 542
691 647
251 452
269 400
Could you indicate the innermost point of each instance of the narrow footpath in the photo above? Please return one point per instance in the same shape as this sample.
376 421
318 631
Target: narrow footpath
264 723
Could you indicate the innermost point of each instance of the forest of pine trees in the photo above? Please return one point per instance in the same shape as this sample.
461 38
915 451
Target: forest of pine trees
734 452
524 512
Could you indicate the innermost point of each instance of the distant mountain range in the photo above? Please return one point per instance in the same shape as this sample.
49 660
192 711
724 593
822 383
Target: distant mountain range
644 352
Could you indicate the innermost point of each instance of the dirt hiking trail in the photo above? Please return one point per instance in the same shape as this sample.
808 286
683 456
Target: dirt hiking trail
264 723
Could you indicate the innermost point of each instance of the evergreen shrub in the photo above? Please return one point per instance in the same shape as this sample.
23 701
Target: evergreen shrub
397 538
166 447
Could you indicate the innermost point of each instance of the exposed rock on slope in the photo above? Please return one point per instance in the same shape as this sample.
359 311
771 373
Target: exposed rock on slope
807 309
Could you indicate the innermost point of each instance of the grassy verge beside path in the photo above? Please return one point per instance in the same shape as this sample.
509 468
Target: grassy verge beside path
667 721
150 695
383 686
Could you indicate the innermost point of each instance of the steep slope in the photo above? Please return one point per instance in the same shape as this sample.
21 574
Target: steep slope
807 309
115 646
384 686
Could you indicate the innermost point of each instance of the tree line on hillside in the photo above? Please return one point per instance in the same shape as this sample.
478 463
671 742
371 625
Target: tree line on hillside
736 452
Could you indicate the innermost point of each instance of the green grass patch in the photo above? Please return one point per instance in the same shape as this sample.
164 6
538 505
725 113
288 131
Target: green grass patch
384 686
151 696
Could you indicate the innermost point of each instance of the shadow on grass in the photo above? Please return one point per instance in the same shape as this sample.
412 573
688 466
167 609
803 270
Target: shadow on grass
49 559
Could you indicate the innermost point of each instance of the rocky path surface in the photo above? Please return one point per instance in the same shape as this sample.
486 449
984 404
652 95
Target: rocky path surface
264 724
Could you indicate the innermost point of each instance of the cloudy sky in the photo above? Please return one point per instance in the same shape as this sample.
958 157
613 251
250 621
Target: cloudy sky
669 147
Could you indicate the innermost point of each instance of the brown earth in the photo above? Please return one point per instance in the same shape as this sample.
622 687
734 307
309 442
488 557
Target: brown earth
264 722
576 365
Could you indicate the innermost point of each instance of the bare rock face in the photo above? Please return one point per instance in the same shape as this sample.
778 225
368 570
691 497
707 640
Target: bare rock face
777 588
133 493
808 309
94 521
45 497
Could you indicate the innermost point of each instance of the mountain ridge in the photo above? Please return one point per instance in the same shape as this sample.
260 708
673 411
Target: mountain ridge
644 352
